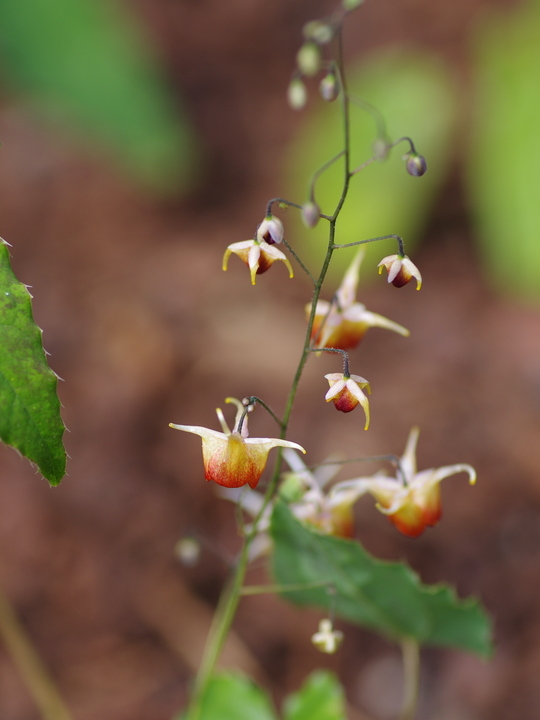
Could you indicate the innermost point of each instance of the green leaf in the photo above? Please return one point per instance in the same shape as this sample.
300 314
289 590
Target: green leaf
235 697
504 156
321 698
416 97
29 407
84 61
384 596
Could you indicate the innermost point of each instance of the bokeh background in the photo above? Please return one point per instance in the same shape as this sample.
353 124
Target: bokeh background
139 139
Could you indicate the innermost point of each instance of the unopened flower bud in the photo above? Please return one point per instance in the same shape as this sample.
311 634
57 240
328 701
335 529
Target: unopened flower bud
351 4
270 230
327 640
380 149
329 87
309 58
311 213
416 164
318 31
292 488
297 94
188 551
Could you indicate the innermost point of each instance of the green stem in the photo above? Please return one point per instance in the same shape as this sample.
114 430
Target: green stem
230 598
411 671
29 664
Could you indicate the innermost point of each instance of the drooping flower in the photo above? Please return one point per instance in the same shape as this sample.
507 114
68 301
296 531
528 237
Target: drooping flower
412 501
343 323
233 459
303 491
346 392
258 256
270 230
327 640
401 270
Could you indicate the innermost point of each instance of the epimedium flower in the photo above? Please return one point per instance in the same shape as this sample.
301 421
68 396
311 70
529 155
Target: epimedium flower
270 230
303 491
327 640
343 323
401 270
346 392
233 459
411 501
258 256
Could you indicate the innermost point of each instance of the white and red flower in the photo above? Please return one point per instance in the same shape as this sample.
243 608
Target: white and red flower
401 270
343 323
346 392
233 459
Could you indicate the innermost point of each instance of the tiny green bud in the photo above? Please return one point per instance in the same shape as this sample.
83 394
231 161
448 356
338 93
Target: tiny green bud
329 87
351 4
318 31
309 58
416 164
297 94
292 489
311 213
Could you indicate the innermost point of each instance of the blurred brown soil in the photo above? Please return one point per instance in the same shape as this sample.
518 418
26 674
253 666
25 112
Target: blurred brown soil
145 329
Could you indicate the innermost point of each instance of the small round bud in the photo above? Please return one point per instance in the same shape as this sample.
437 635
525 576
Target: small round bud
292 489
329 87
416 164
351 4
380 149
188 551
311 214
318 31
309 58
297 94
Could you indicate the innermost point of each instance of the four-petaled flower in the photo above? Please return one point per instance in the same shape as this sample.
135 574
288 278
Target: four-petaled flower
232 459
346 392
401 270
412 501
258 256
343 322
327 640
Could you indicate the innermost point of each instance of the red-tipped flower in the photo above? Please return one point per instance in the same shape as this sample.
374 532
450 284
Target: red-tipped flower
346 392
233 459
412 501
343 323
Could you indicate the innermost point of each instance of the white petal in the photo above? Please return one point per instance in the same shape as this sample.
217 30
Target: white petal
408 459
347 290
374 320
202 431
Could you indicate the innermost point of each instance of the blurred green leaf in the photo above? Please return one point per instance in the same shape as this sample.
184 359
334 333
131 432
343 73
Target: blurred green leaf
504 156
84 61
384 596
320 698
29 407
235 697
416 97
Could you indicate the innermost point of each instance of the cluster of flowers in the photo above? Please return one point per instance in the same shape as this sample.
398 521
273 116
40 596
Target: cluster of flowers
232 459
